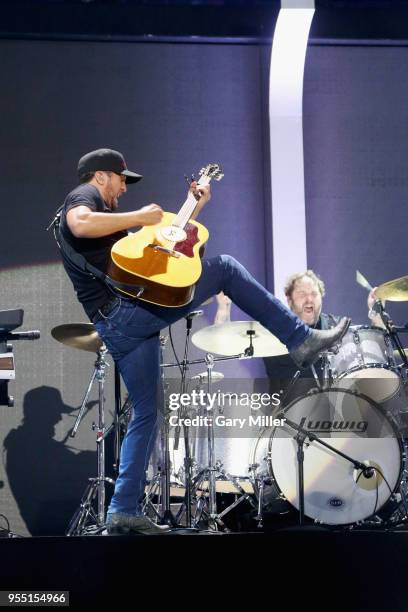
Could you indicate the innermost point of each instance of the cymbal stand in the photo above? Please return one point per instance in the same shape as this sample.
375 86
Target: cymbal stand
161 481
212 470
393 332
195 482
188 462
79 523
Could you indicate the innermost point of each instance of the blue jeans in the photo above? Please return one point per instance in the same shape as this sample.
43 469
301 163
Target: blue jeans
131 333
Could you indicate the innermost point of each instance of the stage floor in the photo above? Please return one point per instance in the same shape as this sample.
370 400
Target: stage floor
312 567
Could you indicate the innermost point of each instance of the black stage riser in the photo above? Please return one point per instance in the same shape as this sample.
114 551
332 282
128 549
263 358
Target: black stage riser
320 569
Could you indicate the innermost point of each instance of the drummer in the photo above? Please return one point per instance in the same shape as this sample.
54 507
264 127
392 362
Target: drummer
304 293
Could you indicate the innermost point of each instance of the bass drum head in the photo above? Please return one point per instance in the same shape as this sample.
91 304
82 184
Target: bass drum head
335 492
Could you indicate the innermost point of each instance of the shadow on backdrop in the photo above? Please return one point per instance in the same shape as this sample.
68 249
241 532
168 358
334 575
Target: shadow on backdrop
46 477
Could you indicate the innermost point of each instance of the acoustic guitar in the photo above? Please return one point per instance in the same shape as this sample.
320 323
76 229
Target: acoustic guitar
163 261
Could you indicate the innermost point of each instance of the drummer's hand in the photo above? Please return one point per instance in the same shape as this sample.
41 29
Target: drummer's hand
375 318
202 193
223 314
372 298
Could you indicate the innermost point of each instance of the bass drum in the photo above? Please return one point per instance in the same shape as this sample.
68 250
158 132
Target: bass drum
335 492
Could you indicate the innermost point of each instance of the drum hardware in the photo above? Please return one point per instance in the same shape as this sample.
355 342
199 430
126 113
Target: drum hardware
334 493
247 338
85 337
211 299
160 485
365 359
290 387
193 484
181 412
368 470
78 335
315 376
397 354
259 486
203 377
163 472
369 474
395 290
119 425
96 488
203 485
389 325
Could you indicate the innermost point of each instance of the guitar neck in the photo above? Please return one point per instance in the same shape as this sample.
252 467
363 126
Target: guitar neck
185 212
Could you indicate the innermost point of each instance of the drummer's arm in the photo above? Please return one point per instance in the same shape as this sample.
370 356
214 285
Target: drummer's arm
372 315
223 314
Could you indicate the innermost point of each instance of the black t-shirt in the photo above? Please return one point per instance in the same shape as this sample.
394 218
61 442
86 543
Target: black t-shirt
91 292
281 369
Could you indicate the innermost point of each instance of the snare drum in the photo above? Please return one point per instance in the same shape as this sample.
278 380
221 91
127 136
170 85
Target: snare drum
366 364
335 492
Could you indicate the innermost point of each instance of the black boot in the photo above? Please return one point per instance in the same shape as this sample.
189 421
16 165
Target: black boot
317 342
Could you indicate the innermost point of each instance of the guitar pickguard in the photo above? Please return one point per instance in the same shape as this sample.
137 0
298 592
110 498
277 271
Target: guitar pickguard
186 246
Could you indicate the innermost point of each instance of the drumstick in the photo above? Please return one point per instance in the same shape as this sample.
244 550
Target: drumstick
362 281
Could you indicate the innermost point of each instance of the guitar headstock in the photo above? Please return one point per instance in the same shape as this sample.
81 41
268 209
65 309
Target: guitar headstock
210 172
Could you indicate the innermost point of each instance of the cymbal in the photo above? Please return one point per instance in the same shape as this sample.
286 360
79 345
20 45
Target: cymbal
208 301
404 350
232 339
395 290
82 336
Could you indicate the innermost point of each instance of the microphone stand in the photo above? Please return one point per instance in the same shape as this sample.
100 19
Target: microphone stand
302 435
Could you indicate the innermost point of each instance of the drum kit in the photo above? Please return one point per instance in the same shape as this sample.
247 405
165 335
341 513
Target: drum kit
336 454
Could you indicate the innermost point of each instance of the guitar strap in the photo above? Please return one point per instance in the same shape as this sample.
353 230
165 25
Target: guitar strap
79 261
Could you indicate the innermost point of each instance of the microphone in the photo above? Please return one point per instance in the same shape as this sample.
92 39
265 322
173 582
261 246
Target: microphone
27 335
189 318
368 472
194 313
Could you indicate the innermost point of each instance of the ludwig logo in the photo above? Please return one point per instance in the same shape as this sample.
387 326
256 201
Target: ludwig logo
333 426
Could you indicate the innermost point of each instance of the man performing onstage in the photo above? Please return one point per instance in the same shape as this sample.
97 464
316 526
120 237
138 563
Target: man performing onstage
304 292
130 327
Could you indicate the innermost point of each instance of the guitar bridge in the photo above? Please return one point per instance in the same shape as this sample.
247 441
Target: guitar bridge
161 249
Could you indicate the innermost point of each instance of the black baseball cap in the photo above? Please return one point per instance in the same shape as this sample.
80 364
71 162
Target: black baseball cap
108 160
